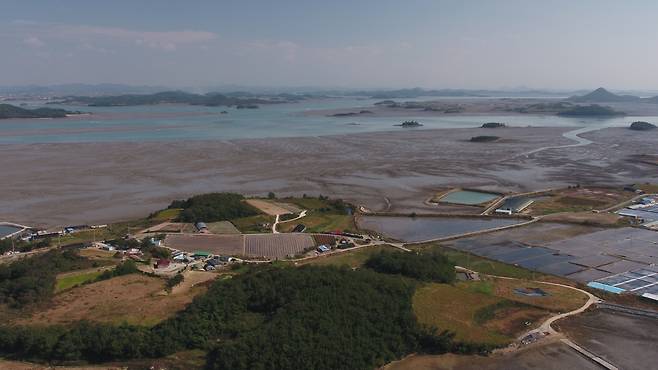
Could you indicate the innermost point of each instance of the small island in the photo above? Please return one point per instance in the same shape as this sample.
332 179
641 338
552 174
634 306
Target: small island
493 125
247 106
484 139
410 124
11 111
642 126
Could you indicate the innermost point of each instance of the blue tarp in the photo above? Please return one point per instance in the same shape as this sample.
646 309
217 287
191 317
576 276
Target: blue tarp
607 288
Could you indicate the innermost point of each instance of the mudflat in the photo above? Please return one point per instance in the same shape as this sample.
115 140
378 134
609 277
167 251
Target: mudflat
627 341
56 184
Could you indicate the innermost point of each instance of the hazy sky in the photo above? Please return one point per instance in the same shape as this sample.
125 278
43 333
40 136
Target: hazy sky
337 43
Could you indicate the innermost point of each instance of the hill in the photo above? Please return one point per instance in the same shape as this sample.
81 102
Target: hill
593 110
602 95
180 97
12 111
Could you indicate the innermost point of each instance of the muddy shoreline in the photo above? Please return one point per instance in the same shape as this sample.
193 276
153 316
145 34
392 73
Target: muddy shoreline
59 183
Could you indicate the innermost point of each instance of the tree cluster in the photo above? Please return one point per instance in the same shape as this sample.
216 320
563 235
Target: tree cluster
213 207
422 266
269 318
31 280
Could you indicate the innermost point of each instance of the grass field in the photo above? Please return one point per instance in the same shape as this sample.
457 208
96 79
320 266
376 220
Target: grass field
450 308
578 200
253 224
352 259
320 222
70 280
222 227
166 214
135 299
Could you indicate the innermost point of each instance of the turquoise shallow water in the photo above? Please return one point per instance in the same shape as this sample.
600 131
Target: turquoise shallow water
468 197
183 122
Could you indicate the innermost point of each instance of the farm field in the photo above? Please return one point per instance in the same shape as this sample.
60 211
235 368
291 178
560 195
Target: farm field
222 227
254 224
215 244
277 245
135 299
320 222
272 207
171 227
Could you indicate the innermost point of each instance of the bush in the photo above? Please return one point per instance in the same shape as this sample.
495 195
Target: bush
173 281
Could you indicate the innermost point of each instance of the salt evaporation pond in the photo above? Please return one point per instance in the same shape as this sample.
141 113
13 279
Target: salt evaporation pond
468 197
417 229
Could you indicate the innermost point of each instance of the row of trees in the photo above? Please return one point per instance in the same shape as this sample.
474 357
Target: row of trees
9 244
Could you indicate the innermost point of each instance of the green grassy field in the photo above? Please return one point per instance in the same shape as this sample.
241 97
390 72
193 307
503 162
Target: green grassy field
452 308
69 280
321 222
166 214
352 259
252 224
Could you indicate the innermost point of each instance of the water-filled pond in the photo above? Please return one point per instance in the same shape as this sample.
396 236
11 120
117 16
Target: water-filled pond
468 197
417 229
6 230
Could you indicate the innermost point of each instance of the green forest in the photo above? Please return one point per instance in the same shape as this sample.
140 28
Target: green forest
213 207
430 267
268 318
32 280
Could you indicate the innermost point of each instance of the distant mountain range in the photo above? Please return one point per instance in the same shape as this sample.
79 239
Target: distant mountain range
419 92
602 95
239 99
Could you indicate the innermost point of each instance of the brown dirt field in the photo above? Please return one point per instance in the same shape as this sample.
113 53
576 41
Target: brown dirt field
273 208
512 321
170 227
586 218
549 356
215 244
192 279
97 254
135 299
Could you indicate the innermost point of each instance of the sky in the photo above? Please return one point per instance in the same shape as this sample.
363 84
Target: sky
351 44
